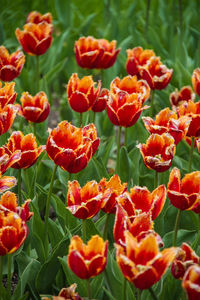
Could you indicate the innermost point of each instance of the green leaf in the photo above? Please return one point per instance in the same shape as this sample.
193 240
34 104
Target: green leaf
55 233
183 236
124 165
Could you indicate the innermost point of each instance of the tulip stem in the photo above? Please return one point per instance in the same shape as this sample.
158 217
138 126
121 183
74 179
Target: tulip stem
152 293
105 232
37 73
176 227
9 274
88 289
156 180
126 137
19 187
93 119
118 148
46 218
81 119
139 294
84 230
191 154
124 291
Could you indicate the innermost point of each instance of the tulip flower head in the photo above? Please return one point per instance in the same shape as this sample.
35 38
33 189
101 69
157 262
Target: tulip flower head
100 103
70 147
196 81
191 282
89 260
178 97
94 53
66 294
158 152
35 108
36 17
7 94
7 116
11 65
192 110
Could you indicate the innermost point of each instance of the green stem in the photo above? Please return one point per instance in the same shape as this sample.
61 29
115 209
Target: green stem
34 129
118 148
1 275
153 294
191 154
37 73
19 187
176 227
126 137
88 289
9 274
94 115
105 232
102 77
156 180
84 230
48 207
147 16
139 294
124 289
152 103
81 119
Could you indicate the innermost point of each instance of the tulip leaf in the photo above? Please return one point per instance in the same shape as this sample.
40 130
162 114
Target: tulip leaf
100 168
183 236
55 232
124 165
55 70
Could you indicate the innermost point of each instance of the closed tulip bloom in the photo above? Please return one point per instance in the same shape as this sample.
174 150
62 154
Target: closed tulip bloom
167 121
35 39
142 263
137 57
13 231
196 81
35 108
7 117
158 152
27 145
131 85
11 65
36 17
100 103
178 97
94 53
82 93
191 109
156 74
111 190
124 109
7 94
184 194
89 260
85 202
70 147
191 282
183 260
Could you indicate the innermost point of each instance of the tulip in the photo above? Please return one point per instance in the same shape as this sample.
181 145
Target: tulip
131 85
156 74
6 183
66 294
178 97
196 81
7 116
111 190
82 93
183 260
184 194
27 145
158 152
70 147
35 108
191 109
137 57
85 202
7 94
36 17
35 39
13 231
89 260
191 282
94 53
7 161
141 262
100 103
167 121
10 64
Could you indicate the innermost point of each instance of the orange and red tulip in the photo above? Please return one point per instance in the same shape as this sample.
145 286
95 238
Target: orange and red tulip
178 97
137 57
35 108
35 39
158 152
10 64
184 194
7 94
191 282
27 145
7 117
167 121
8 160
94 53
7 182
36 17
13 231
156 74
196 81
131 85
89 260
141 262
85 202
66 294
82 93
183 260
70 147
191 109
100 103
111 190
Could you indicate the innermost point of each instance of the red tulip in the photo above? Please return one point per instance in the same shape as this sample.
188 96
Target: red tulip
7 116
196 81
191 109
191 282
36 17
7 94
66 294
100 103
178 97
